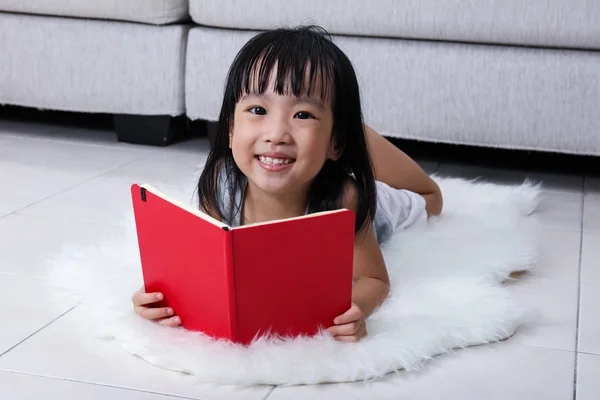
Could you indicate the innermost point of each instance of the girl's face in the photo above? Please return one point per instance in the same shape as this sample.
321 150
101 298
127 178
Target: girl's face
281 142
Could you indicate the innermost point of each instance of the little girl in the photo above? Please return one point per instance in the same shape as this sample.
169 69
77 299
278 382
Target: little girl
291 141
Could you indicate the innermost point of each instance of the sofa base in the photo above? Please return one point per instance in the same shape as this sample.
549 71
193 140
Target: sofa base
152 130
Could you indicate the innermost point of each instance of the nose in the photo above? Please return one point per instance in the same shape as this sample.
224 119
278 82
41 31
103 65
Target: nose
277 131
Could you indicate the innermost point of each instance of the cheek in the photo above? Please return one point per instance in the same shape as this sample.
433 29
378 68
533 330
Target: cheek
322 142
238 146
316 148
241 144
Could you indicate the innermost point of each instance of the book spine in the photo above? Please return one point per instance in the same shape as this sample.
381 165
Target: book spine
230 268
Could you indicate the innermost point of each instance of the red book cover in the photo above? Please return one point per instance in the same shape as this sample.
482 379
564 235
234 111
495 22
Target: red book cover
287 277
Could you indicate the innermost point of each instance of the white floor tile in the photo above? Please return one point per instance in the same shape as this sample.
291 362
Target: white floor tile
65 133
499 371
29 387
588 371
91 137
107 200
193 146
33 170
57 352
98 200
79 180
26 242
551 182
553 304
591 213
590 257
561 210
65 157
24 185
589 321
27 305
162 168
558 254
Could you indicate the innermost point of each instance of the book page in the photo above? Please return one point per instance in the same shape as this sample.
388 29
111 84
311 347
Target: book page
188 208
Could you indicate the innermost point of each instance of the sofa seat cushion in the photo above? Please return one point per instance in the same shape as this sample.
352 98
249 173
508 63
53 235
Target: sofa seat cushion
550 23
155 12
492 96
96 66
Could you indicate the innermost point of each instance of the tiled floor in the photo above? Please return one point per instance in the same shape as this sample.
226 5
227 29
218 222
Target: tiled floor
58 185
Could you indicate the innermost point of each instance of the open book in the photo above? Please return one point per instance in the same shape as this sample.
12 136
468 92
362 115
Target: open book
287 277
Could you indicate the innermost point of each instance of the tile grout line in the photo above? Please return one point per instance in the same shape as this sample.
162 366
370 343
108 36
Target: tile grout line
56 378
587 353
71 187
270 392
578 316
39 330
539 346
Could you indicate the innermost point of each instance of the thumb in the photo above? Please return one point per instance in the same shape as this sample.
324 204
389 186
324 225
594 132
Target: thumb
353 314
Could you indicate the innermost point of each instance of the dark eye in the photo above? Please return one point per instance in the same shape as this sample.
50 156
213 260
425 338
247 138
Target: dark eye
257 110
303 115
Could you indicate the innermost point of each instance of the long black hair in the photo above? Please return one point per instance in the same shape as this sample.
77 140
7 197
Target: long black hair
297 54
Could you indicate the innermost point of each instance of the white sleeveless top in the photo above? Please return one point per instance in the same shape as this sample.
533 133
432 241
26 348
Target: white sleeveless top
396 209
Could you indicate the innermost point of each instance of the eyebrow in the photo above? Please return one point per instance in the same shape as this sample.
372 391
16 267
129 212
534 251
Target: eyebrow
299 99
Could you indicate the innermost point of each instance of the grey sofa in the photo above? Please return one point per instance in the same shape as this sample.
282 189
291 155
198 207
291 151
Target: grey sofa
125 58
499 73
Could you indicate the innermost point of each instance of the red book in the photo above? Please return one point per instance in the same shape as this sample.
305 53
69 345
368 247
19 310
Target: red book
287 277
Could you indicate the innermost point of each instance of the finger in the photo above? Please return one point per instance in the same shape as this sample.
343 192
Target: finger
345 330
361 333
171 322
353 314
141 298
155 313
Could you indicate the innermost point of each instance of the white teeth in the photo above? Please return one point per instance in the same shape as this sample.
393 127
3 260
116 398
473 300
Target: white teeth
274 161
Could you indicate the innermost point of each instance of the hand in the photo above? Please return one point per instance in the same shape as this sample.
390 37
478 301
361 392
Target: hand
350 326
142 302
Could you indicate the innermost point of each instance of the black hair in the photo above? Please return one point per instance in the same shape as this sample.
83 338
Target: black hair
298 53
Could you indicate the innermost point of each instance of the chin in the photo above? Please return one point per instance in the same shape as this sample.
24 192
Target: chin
272 189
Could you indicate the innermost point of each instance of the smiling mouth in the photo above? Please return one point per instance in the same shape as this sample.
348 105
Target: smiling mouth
275 160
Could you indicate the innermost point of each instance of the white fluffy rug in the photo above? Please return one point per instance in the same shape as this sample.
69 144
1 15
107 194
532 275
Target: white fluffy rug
447 292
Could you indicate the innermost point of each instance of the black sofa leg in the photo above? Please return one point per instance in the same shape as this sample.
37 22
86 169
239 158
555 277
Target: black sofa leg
153 130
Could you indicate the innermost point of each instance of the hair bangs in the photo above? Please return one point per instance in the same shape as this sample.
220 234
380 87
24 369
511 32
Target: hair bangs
297 66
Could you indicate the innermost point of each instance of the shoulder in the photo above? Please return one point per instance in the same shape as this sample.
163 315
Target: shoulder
350 201
350 194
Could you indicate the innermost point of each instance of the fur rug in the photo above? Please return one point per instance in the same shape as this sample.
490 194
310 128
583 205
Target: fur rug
447 292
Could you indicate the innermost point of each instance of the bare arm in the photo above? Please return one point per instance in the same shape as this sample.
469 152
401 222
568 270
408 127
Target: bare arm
393 167
371 281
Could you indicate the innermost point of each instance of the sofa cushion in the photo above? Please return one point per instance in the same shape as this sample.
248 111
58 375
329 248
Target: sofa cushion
494 96
155 12
91 65
554 23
